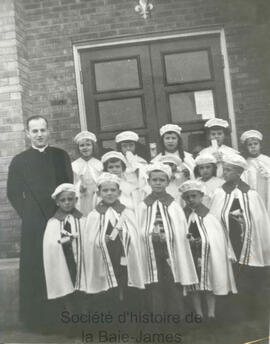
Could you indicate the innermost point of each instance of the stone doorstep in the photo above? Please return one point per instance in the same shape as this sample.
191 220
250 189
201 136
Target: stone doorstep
9 291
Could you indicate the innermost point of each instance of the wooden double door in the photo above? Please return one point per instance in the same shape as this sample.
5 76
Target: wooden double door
142 86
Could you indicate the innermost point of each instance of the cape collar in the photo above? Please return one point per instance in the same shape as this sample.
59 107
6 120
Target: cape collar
103 207
228 187
163 197
201 210
60 215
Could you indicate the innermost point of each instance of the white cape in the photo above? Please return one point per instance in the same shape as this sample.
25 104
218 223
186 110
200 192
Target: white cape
100 275
216 268
175 227
256 243
58 280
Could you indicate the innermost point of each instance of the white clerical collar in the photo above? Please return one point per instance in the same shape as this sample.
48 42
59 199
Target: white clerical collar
40 149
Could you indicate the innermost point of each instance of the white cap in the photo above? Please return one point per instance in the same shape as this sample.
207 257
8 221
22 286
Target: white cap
251 134
158 166
85 135
171 159
216 122
63 187
205 158
106 177
235 159
126 136
192 185
170 127
115 155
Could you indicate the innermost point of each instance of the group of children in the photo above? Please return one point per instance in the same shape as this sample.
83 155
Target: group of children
145 235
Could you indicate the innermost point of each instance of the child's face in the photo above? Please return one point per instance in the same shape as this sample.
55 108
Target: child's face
231 173
128 146
109 192
217 134
66 201
170 141
158 181
206 171
115 168
193 198
253 146
85 148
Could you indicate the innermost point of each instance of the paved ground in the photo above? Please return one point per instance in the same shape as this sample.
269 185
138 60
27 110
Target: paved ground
237 333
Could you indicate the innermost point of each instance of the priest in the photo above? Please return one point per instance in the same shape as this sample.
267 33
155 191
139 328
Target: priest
33 176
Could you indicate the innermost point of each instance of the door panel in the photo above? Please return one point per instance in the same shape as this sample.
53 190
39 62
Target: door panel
141 87
118 92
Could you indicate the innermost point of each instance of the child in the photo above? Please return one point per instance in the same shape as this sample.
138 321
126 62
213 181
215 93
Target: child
178 177
207 167
217 129
167 257
62 249
86 170
171 143
127 143
258 172
115 163
111 249
208 245
246 226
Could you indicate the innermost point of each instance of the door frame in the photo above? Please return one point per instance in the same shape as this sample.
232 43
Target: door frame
78 47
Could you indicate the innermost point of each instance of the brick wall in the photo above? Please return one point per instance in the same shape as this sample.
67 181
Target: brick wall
50 27
11 117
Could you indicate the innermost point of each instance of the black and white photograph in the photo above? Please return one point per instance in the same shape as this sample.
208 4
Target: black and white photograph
135 171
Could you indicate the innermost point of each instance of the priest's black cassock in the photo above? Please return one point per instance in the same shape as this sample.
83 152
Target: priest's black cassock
32 178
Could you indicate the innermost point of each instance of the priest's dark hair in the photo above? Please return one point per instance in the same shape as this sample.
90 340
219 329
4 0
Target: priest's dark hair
179 145
34 118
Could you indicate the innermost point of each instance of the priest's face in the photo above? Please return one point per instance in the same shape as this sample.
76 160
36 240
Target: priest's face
85 148
109 192
158 181
232 173
253 146
38 133
128 146
206 171
218 135
193 198
66 201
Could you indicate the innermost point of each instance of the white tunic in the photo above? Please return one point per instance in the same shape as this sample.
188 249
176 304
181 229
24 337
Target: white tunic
86 174
210 187
258 177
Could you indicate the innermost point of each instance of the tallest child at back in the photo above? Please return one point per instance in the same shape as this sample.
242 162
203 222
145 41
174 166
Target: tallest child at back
172 143
217 130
